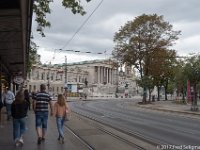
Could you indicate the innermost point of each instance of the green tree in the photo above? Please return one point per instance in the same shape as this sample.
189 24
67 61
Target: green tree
139 38
41 9
161 68
148 82
192 70
32 55
181 78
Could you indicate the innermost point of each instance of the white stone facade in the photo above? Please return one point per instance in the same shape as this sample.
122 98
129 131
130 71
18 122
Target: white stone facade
101 77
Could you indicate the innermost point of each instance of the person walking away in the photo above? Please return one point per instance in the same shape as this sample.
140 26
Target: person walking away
40 106
27 98
61 108
8 97
19 110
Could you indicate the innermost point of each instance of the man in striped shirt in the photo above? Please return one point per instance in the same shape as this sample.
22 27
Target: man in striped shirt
40 105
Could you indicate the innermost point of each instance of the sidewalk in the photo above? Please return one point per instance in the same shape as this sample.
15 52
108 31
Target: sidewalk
171 106
30 137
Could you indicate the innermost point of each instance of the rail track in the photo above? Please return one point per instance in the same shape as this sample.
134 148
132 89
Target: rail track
117 133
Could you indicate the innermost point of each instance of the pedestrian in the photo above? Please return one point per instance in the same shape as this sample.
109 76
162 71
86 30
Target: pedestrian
8 97
27 98
40 106
19 110
61 109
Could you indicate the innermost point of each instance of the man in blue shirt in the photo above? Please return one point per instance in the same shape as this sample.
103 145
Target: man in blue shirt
8 97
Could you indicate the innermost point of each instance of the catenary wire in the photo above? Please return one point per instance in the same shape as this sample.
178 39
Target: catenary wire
67 43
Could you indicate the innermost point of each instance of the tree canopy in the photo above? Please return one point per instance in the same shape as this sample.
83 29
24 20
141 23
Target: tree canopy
146 38
41 9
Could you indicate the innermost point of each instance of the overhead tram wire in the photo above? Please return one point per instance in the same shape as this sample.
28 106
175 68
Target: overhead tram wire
67 43
86 52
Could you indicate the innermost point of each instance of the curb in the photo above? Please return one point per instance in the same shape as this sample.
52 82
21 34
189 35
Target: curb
168 110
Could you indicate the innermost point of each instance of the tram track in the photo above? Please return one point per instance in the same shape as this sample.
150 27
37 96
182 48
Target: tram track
132 139
81 140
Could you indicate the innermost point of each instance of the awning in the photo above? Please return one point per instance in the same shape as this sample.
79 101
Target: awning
15 31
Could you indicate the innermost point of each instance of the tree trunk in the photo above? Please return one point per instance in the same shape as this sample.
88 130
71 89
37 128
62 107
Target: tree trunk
144 95
149 95
183 95
166 86
158 88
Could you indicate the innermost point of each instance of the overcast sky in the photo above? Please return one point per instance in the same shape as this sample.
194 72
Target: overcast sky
96 36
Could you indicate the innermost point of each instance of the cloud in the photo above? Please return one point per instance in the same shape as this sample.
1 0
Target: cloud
97 34
58 57
188 45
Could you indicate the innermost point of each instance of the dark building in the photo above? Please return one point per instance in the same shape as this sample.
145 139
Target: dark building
15 30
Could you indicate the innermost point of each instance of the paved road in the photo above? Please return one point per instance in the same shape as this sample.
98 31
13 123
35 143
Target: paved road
158 126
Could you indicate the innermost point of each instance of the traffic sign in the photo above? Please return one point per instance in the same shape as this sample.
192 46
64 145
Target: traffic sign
18 79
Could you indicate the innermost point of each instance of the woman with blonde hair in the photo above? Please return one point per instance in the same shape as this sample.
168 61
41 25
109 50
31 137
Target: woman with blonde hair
19 110
61 109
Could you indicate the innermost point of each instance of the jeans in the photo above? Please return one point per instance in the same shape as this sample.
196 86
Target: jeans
60 126
8 109
41 119
19 127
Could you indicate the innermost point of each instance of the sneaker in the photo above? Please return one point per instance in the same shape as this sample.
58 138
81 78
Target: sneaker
62 141
59 138
21 141
17 143
39 141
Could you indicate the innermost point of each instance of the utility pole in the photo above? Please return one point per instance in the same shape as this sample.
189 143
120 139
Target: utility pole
48 78
65 86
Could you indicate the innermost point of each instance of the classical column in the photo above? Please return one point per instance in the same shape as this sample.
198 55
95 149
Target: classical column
107 75
102 74
98 74
110 76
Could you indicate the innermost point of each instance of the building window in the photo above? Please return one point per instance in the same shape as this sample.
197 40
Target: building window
37 75
30 88
52 76
79 80
42 78
47 76
34 88
96 68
